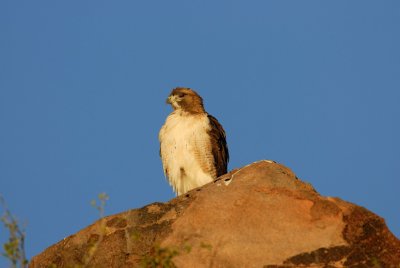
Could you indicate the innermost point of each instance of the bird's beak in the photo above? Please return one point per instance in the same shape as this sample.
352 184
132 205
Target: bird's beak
171 99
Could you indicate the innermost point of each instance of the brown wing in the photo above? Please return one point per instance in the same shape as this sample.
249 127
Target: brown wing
219 146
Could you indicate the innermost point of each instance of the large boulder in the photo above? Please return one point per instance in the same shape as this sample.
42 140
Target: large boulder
260 215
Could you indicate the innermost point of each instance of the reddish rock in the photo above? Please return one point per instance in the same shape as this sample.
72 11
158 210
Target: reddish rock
261 215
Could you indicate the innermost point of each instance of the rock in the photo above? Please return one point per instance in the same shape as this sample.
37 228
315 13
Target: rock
261 215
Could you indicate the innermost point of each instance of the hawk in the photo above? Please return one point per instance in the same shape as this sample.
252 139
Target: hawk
193 145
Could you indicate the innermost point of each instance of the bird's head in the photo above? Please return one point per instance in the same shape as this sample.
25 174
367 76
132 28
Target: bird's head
186 99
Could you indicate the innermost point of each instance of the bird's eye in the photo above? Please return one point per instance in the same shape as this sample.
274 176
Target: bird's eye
181 95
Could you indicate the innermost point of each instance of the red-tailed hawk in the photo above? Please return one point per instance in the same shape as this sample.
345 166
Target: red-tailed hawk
192 143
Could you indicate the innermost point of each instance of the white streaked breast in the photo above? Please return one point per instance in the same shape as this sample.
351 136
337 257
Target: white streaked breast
186 151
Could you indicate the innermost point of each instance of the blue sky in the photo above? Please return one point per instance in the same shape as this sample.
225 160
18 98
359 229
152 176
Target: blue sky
314 85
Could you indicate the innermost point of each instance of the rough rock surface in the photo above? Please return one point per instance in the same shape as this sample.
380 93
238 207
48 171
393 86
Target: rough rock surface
261 215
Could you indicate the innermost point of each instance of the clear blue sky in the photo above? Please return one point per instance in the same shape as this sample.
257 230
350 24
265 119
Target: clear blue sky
314 85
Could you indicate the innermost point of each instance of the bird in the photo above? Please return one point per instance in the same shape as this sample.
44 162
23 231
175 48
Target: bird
193 146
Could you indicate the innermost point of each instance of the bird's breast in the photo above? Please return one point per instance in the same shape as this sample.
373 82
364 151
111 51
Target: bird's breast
186 151
186 130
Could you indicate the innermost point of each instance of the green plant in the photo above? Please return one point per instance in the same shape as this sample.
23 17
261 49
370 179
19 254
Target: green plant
103 197
100 206
14 248
160 257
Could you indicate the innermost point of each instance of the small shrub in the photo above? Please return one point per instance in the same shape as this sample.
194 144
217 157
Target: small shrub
14 248
160 258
